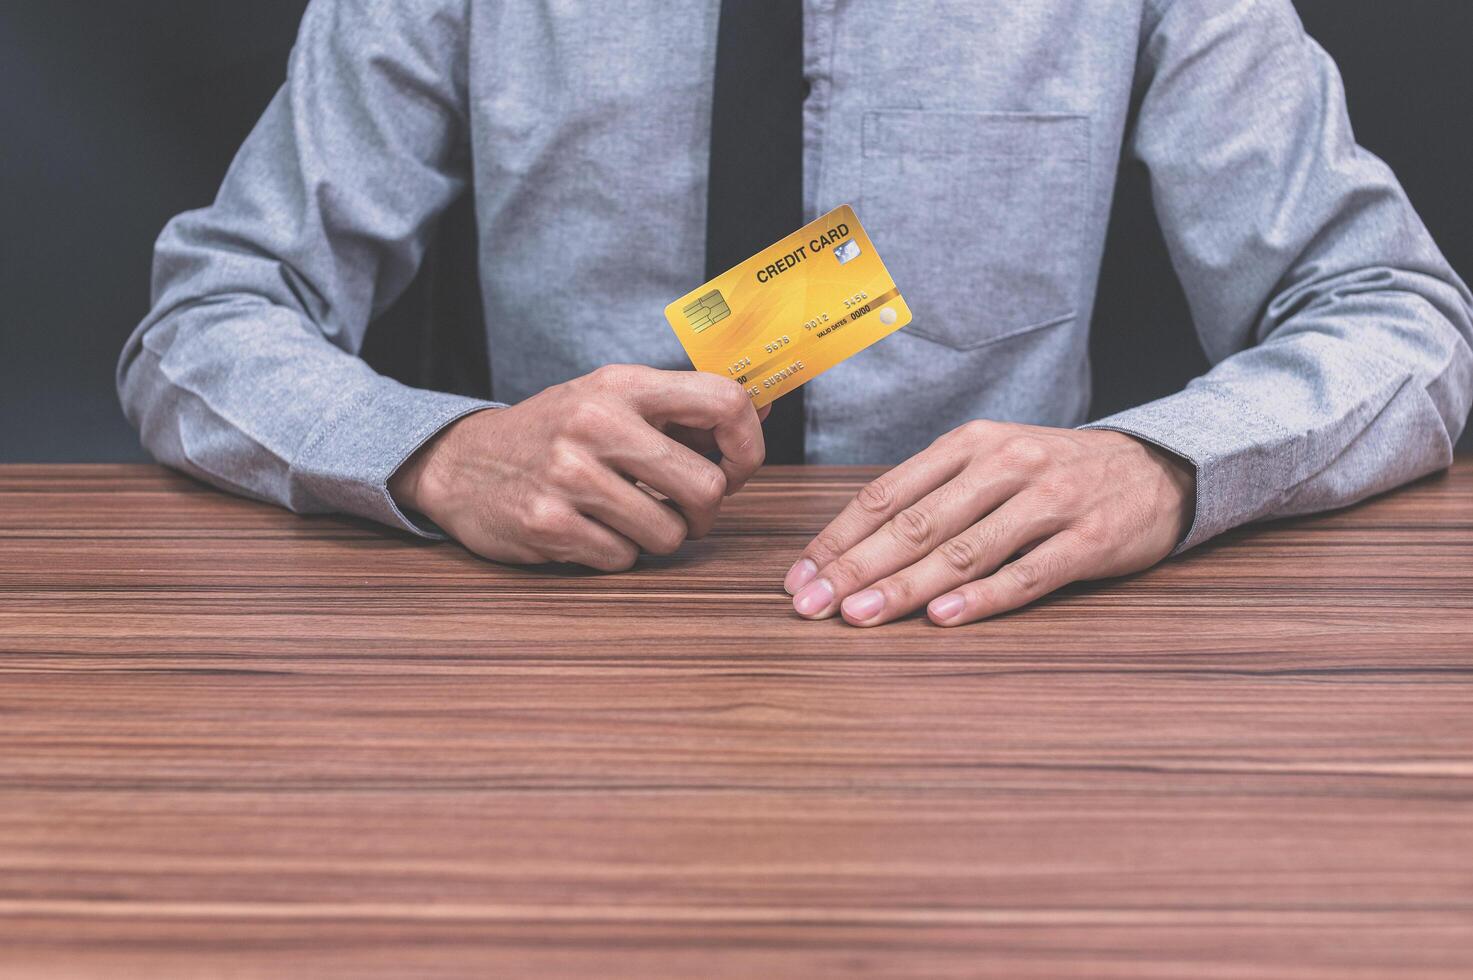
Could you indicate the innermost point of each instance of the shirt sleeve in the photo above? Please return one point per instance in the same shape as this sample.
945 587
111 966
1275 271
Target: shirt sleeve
1338 333
245 373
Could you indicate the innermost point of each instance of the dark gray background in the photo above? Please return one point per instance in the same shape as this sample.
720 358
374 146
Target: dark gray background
117 116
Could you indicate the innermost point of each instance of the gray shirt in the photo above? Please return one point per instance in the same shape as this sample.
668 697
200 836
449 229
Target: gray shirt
978 141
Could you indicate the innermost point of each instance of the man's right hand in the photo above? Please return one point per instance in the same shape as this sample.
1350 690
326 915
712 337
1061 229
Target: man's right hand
552 478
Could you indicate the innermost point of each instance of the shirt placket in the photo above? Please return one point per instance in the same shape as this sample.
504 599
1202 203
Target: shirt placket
818 50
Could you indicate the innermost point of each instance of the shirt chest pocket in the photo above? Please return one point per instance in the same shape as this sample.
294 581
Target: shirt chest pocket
980 216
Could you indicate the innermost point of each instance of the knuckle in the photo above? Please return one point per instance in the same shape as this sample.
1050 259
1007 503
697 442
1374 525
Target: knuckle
1034 573
960 554
900 590
912 527
710 487
1027 574
619 559
566 467
876 497
752 452
667 543
731 399
548 519
989 536
1024 453
848 570
670 536
610 376
623 558
824 549
976 427
590 416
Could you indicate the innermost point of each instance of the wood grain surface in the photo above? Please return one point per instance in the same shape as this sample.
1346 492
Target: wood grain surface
236 742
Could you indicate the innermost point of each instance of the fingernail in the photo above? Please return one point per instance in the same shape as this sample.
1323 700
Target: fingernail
799 575
814 599
864 605
948 606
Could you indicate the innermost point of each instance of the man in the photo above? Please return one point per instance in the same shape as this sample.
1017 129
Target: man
978 141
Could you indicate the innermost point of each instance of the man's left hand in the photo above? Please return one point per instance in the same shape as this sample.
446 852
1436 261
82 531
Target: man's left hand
991 517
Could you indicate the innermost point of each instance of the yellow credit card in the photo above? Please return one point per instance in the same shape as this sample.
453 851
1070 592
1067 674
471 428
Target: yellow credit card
793 310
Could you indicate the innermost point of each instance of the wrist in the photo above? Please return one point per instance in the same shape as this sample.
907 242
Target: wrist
422 480
1180 484
1168 480
405 485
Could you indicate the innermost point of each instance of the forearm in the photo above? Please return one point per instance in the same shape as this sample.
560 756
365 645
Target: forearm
1342 403
1339 332
237 393
246 372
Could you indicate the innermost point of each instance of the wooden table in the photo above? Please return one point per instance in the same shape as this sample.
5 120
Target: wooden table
238 742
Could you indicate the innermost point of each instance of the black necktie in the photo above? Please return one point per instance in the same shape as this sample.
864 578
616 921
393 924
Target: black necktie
756 190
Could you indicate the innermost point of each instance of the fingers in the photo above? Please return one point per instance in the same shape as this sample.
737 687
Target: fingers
703 401
1050 566
629 511
695 484
703 441
551 478
875 504
587 542
699 440
976 552
552 530
907 539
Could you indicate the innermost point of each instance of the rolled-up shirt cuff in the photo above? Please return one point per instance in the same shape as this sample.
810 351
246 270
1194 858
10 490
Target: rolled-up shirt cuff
348 458
1236 450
